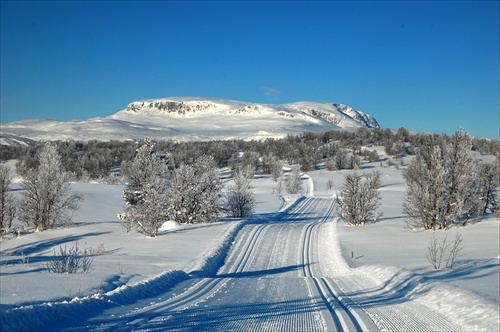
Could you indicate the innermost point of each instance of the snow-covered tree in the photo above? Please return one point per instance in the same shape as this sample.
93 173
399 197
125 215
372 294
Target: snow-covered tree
277 176
488 179
146 192
359 198
250 158
239 198
46 201
7 200
143 169
441 187
150 211
195 191
344 160
293 182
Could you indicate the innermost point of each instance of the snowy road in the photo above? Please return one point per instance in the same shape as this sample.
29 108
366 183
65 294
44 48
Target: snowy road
272 280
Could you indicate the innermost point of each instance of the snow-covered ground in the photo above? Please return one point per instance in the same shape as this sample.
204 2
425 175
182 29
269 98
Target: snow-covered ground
381 268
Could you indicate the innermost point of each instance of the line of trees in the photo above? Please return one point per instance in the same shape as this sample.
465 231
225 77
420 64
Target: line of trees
446 184
340 149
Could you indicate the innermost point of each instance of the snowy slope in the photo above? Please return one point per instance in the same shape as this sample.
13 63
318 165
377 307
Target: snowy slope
195 118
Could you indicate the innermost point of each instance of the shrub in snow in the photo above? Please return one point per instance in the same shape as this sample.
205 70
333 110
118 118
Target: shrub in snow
70 261
277 176
442 251
99 250
7 200
293 182
45 201
330 164
239 198
359 198
250 162
344 160
329 184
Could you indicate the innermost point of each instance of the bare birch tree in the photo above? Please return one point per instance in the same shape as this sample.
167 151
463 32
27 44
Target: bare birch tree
7 199
46 201
239 198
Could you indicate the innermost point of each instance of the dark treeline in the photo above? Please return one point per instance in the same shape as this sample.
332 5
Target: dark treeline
339 149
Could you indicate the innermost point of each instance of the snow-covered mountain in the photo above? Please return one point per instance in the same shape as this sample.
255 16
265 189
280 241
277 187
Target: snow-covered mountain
195 118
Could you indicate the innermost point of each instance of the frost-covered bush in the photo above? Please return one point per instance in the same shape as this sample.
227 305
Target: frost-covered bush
293 182
441 252
194 192
359 198
441 181
488 179
70 261
239 200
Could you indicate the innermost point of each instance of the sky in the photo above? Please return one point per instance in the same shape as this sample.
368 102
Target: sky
428 66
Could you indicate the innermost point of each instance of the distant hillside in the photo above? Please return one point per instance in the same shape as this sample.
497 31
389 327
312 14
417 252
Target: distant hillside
195 118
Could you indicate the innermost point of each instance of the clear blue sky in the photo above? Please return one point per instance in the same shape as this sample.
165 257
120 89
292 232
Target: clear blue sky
425 65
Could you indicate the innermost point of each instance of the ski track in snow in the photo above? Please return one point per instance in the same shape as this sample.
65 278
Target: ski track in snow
273 279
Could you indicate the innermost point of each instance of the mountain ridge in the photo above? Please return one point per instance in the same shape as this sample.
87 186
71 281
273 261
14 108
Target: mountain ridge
196 118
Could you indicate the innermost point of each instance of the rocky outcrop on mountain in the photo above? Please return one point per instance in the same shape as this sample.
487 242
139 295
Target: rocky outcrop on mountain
337 114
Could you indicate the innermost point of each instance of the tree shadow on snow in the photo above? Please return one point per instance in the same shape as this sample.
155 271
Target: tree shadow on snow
260 273
467 270
395 290
404 285
43 245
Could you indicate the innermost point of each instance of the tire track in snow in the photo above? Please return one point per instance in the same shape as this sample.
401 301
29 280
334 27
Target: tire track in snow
271 282
337 315
392 314
245 254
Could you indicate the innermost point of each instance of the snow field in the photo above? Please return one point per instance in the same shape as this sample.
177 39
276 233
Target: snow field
389 278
